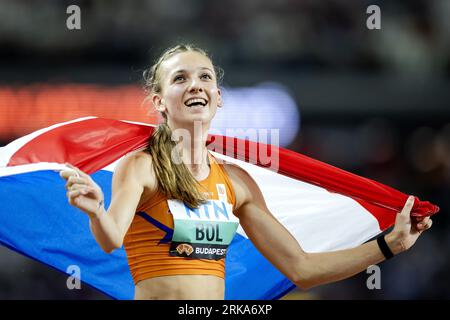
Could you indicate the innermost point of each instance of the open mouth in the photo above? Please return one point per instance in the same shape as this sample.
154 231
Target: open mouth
196 102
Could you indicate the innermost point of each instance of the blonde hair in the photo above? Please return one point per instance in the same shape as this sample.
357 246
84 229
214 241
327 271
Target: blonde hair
175 180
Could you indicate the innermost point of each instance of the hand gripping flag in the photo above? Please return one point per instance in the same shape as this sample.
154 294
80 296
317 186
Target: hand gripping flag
325 208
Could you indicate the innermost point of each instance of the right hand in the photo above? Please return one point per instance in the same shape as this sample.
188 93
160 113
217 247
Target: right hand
406 230
82 191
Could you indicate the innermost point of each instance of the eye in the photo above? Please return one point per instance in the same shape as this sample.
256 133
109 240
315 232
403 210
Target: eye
178 78
206 76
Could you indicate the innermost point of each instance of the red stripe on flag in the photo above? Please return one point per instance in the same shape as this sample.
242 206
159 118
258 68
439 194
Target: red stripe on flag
385 217
89 144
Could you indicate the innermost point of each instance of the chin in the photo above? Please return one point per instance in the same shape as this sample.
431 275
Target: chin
203 117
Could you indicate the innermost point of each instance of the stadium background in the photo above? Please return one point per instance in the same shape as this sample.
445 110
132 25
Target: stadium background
373 102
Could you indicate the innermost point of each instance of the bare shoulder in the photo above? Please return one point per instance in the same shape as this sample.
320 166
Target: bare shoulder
236 172
248 193
243 184
137 166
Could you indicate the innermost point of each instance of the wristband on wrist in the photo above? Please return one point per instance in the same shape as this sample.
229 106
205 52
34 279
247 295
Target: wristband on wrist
384 247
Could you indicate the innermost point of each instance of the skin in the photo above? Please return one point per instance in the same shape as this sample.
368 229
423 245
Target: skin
133 184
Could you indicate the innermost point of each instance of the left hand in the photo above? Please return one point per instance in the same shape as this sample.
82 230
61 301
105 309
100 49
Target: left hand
406 230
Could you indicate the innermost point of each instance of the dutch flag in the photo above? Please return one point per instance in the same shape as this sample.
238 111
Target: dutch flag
325 208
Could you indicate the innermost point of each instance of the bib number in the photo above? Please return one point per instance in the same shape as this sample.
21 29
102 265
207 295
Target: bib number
204 232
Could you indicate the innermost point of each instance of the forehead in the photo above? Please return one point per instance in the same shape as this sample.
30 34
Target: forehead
188 61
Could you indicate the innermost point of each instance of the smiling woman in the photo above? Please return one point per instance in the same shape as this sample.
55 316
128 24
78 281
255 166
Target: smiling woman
183 87
176 208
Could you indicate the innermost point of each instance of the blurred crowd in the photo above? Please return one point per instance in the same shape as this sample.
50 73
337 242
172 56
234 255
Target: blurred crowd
329 35
374 102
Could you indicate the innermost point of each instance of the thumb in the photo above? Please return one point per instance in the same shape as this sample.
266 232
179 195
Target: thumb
406 211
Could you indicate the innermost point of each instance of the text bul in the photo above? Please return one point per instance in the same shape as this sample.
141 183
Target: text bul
210 231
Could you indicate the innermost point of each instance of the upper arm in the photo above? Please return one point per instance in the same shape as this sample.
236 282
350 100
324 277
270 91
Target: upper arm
132 174
248 194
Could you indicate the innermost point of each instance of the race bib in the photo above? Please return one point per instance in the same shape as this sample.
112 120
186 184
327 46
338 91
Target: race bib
204 232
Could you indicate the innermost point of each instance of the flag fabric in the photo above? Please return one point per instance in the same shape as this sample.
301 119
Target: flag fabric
325 208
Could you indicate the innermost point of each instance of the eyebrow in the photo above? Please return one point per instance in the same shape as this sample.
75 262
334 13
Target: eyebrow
183 71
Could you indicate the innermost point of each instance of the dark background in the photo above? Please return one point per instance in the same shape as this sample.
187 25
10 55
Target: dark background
373 102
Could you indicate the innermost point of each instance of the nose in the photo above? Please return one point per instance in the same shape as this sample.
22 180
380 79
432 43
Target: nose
195 86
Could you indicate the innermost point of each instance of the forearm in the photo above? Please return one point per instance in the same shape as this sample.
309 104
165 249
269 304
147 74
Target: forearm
105 231
327 267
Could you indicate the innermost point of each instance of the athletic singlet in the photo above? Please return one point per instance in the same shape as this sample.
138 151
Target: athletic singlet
155 248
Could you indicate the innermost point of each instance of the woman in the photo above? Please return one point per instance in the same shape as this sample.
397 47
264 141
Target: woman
175 208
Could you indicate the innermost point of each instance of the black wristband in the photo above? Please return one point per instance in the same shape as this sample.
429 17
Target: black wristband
384 247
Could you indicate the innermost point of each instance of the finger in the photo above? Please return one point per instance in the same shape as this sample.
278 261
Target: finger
66 173
420 226
407 207
81 189
424 222
79 172
71 195
85 190
424 226
75 180
77 186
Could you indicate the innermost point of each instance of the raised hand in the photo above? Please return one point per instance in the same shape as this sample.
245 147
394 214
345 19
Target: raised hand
406 230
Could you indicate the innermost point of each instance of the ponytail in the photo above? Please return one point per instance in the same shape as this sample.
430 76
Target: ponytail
175 180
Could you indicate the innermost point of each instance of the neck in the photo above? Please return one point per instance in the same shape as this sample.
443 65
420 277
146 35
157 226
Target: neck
192 145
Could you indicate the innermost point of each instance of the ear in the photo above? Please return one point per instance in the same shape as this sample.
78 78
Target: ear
158 102
219 98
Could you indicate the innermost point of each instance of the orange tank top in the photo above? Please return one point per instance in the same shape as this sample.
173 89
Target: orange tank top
155 248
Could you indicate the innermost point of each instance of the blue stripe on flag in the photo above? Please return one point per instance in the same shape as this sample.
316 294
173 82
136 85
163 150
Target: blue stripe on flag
250 276
38 221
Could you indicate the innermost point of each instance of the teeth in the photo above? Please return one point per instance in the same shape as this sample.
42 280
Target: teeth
195 100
